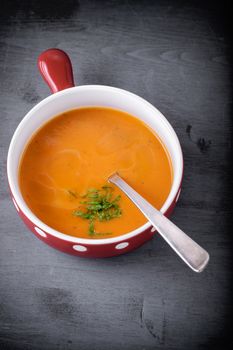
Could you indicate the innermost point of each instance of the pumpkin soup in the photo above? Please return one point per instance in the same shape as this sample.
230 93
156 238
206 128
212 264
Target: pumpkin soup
65 166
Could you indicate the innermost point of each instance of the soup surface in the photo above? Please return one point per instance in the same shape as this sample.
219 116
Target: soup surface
75 152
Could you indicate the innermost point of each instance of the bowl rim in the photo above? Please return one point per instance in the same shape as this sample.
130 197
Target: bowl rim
63 236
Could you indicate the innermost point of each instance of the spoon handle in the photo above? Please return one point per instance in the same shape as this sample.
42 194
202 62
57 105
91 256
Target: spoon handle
191 253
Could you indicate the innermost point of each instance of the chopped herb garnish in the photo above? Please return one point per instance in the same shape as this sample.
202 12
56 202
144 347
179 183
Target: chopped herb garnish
91 230
99 205
72 193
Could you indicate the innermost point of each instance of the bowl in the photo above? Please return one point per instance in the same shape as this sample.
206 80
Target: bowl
56 69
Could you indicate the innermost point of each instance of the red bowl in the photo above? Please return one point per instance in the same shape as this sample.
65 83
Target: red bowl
56 69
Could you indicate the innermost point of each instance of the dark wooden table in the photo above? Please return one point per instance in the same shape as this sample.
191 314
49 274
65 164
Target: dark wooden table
177 56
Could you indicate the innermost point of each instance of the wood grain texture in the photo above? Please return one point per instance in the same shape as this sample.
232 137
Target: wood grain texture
177 56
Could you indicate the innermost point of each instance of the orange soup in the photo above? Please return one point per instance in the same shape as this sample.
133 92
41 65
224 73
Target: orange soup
64 170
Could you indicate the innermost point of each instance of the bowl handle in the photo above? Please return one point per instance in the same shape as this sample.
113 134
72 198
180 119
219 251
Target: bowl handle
56 69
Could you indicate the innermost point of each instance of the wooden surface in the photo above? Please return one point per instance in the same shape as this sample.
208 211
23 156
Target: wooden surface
177 56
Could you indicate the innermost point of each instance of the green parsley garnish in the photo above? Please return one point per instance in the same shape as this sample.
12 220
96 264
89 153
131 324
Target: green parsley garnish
72 193
99 205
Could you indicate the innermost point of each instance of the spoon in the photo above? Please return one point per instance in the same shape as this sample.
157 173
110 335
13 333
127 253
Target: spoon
192 254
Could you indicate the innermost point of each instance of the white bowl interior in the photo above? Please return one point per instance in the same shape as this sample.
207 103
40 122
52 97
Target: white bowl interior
92 95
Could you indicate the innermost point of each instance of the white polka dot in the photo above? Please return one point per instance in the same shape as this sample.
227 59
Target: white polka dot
79 248
41 233
122 245
15 204
178 195
153 229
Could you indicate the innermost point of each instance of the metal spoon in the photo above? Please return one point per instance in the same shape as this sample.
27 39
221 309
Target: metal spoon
192 254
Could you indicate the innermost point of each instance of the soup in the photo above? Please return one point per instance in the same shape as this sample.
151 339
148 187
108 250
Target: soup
66 164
